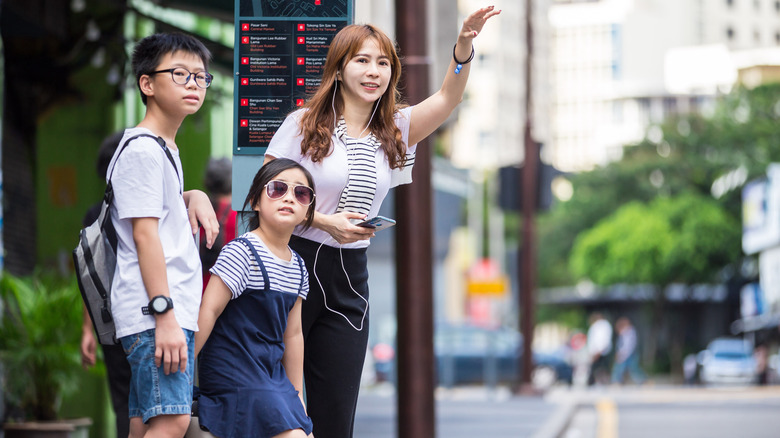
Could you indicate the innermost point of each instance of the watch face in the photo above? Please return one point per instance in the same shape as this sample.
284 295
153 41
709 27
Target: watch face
159 304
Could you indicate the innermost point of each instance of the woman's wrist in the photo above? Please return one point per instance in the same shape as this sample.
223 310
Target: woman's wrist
463 46
319 221
458 56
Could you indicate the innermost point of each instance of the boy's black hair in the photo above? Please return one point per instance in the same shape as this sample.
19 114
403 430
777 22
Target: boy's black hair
149 51
267 173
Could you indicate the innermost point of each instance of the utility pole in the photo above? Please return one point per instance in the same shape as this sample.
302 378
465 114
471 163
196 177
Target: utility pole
414 245
527 257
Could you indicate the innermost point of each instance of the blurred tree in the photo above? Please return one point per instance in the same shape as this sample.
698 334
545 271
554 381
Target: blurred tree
710 153
685 239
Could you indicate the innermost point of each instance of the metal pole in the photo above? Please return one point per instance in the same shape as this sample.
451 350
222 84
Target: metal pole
414 246
528 243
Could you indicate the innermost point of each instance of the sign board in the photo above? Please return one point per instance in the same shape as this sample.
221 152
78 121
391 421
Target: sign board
486 278
279 55
761 212
769 280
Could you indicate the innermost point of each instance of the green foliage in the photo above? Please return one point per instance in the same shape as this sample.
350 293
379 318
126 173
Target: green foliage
572 318
691 154
39 342
686 239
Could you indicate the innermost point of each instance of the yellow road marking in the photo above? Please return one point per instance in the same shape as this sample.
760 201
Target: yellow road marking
607 419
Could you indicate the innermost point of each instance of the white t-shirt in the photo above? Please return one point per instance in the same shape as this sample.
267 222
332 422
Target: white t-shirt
146 185
330 174
238 269
600 337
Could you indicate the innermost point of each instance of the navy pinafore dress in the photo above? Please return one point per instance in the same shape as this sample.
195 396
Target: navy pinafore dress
244 390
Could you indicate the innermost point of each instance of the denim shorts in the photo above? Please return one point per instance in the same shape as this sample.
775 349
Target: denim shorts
152 392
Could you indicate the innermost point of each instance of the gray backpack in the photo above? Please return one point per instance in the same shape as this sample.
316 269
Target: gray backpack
95 260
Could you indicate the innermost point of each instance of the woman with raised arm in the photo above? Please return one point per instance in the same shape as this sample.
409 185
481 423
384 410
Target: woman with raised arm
358 141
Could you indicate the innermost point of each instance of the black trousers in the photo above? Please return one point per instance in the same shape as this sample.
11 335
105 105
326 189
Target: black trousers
119 385
335 344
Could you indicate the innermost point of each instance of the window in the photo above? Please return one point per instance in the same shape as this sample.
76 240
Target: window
617 112
670 105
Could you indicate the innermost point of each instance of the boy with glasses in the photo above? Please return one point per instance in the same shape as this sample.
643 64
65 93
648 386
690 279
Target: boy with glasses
157 285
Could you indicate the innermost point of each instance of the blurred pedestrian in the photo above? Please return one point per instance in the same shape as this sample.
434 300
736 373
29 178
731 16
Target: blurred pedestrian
690 367
218 184
626 353
762 371
117 368
599 347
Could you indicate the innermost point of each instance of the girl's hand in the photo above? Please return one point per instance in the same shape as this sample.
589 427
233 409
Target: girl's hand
472 25
340 227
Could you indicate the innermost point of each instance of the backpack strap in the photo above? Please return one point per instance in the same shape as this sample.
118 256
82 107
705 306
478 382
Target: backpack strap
109 195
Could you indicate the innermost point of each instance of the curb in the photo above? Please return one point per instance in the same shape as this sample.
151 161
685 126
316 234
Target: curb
557 423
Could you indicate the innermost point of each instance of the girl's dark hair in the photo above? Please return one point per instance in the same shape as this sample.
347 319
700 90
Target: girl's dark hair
318 122
149 51
267 173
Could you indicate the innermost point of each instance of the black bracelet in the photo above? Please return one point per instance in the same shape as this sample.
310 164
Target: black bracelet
462 62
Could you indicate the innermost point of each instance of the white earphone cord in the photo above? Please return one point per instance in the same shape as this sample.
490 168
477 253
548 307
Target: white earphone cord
341 257
324 297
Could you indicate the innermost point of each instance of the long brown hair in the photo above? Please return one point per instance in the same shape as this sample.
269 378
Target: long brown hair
318 123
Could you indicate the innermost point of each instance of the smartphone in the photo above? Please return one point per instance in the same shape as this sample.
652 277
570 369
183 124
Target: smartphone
377 223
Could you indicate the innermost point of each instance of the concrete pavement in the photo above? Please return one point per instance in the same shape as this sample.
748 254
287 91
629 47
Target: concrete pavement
469 412
476 412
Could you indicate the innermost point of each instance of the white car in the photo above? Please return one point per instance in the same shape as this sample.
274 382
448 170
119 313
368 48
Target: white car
728 361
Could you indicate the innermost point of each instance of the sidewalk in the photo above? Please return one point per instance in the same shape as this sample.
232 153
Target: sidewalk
468 412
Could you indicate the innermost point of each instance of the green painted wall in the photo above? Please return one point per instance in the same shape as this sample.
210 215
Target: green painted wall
67 181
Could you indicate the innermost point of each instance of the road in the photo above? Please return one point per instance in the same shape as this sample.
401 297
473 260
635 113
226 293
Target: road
661 410
673 411
466 412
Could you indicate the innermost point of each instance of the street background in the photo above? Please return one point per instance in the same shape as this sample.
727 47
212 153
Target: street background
658 409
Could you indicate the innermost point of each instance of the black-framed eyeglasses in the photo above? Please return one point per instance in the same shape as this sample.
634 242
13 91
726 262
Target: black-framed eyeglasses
278 189
181 76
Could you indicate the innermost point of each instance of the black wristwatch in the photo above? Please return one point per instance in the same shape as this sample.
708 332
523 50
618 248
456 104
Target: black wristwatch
158 305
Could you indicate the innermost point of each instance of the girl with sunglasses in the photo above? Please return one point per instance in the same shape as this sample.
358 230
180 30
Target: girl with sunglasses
249 344
358 141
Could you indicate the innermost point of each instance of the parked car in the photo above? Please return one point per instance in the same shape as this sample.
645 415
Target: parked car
469 354
727 361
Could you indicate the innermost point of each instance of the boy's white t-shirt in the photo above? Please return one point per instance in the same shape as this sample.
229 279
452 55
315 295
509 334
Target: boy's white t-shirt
146 185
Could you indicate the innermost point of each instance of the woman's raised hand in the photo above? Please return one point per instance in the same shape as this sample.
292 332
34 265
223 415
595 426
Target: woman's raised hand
472 25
